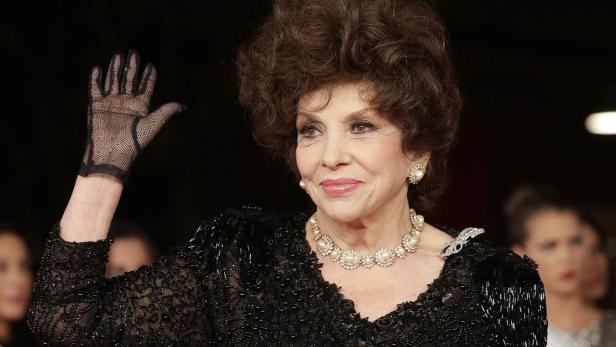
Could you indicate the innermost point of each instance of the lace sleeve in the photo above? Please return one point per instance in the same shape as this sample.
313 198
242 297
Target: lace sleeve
515 300
73 304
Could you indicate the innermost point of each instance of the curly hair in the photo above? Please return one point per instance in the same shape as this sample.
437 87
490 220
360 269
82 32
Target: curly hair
398 46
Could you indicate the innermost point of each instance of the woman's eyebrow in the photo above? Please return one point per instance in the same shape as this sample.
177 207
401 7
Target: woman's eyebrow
352 116
310 116
355 114
358 115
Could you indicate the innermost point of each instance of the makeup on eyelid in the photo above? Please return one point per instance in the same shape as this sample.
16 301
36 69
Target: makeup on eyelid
364 124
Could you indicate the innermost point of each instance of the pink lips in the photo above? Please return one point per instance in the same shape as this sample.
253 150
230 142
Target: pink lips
569 275
339 186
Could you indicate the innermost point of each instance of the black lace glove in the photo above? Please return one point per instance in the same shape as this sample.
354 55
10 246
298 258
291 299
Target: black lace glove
119 122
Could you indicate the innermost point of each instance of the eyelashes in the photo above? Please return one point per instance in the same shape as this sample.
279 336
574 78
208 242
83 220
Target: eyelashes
362 127
308 131
311 130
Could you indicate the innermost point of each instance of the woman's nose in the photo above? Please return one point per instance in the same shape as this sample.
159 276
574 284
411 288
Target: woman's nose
335 153
569 254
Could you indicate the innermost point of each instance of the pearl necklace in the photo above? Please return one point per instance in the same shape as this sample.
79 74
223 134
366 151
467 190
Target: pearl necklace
384 257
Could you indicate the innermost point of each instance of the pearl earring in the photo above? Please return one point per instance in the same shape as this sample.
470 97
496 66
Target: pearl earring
416 173
302 184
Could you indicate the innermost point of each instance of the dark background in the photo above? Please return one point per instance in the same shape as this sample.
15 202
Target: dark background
530 72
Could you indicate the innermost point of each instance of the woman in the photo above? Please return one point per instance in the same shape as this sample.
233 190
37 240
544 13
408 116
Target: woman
596 274
15 286
596 278
359 98
549 229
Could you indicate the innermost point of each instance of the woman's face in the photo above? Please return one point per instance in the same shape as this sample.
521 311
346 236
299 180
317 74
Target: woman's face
349 157
15 277
554 242
595 277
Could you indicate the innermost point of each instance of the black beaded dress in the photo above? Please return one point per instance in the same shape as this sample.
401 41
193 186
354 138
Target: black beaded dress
248 277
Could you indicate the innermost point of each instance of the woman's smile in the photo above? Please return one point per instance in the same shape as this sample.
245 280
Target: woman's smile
340 186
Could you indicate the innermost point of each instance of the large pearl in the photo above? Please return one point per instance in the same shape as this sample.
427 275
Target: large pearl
350 259
325 245
384 257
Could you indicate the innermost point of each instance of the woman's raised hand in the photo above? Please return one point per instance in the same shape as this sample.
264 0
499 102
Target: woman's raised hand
120 124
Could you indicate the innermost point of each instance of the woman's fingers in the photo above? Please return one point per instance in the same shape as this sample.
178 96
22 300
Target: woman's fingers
95 86
129 75
123 77
114 75
148 127
148 80
163 113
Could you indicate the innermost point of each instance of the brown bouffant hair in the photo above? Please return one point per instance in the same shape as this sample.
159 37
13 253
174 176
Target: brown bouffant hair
526 201
398 46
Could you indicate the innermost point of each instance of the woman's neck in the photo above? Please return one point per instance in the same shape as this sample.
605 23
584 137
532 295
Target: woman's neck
5 331
384 228
570 312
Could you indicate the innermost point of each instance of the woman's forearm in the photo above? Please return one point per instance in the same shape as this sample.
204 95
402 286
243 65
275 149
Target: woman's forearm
91 208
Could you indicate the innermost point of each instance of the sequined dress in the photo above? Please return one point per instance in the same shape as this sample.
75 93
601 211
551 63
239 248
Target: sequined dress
248 277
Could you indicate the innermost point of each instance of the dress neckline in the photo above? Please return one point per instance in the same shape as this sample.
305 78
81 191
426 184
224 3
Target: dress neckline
348 305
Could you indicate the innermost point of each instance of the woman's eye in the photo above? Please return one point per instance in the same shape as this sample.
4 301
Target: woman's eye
577 241
362 127
548 246
309 131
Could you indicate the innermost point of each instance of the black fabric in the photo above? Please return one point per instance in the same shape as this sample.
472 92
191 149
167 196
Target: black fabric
119 122
249 278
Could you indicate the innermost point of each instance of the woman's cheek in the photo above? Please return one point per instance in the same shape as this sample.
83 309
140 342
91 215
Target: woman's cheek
542 258
307 161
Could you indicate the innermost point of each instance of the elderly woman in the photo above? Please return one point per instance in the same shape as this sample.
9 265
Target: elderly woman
359 97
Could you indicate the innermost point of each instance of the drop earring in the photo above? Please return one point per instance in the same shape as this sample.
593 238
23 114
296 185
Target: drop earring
416 173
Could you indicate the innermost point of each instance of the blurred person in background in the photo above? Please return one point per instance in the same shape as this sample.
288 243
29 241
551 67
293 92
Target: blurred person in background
596 274
131 249
15 286
596 277
549 229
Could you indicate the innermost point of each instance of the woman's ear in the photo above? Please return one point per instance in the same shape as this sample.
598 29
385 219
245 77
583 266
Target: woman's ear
419 157
425 158
519 250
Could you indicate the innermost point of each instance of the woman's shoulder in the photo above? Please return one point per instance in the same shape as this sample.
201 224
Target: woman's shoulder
246 232
508 288
489 262
496 268
247 220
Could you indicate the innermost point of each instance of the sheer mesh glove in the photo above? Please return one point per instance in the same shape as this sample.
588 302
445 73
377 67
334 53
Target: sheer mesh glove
119 122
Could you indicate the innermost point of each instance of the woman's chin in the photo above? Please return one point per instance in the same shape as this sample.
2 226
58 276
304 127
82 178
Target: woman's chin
342 213
14 314
565 288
